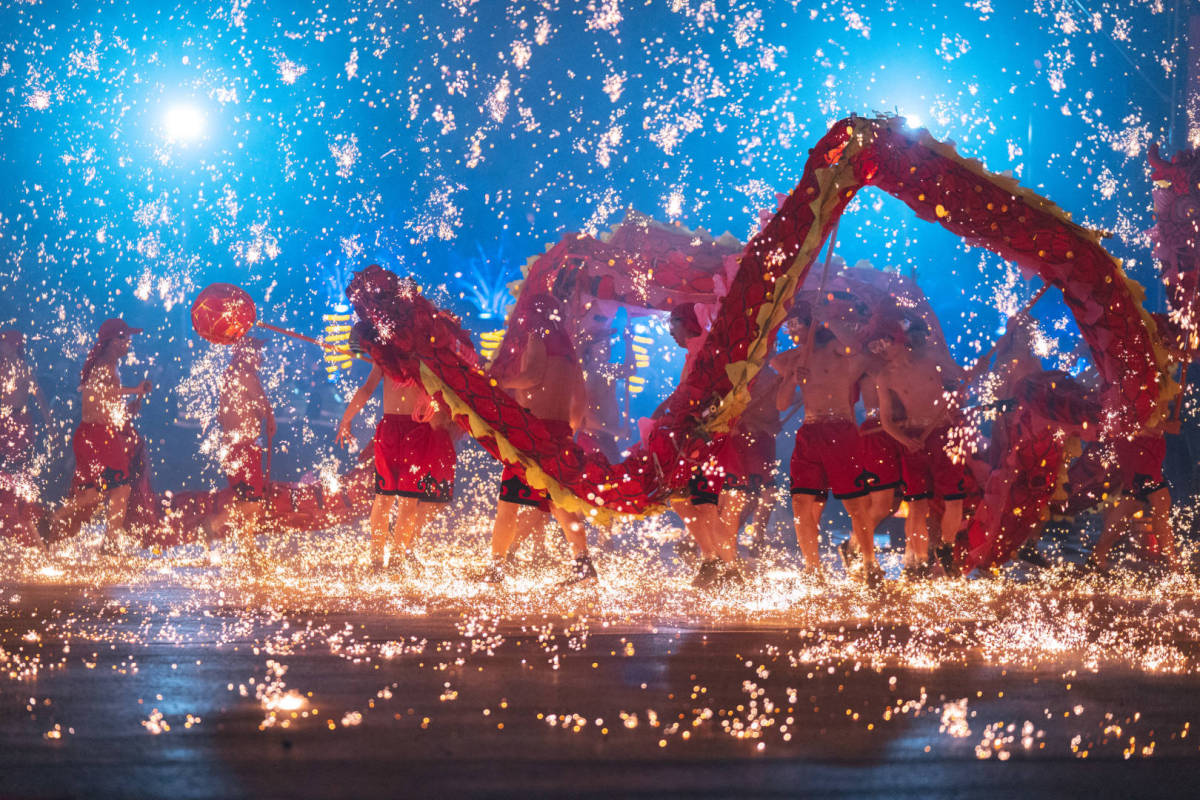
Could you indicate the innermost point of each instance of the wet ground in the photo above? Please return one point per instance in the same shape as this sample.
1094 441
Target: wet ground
167 678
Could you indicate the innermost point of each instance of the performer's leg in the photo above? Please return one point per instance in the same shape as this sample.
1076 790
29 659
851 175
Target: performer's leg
690 515
504 529
731 507
573 528
1160 522
213 526
424 514
405 526
535 522
806 509
531 527
79 507
575 532
720 542
916 533
246 518
706 524
883 505
1116 518
952 518
760 509
381 512
118 506
862 529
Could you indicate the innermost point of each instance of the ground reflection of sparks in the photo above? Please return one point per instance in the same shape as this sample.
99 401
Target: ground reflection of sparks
1050 623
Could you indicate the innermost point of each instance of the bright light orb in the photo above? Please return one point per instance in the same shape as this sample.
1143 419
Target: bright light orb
183 123
912 120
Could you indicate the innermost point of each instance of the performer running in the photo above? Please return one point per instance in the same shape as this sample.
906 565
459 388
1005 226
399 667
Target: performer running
701 510
105 442
543 375
18 387
828 453
243 411
414 461
920 379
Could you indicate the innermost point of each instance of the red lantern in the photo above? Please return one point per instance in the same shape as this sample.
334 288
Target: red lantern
223 313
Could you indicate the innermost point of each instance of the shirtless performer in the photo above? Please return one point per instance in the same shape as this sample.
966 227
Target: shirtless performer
105 441
546 379
414 462
242 412
18 387
701 509
828 454
919 379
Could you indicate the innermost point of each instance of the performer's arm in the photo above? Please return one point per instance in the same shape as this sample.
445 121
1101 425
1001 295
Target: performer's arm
886 413
141 389
357 403
786 364
135 404
533 366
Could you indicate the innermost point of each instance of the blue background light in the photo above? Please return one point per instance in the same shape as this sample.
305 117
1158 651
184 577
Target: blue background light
183 122
455 140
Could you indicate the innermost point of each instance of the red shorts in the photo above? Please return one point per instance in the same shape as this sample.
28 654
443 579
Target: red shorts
880 455
103 456
515 490
930 471
827 456
706 483
752 460
1139 463
243 465
16 435
413 459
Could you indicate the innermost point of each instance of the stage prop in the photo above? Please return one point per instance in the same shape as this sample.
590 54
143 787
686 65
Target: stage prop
939 185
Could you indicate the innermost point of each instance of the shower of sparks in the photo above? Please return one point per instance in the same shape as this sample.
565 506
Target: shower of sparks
316 143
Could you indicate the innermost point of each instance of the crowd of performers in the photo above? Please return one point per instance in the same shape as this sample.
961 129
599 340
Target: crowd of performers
881 403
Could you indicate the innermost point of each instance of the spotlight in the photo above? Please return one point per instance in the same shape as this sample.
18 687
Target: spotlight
912 120
183 123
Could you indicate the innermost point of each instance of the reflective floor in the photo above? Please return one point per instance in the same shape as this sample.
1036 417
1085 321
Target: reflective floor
142 679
